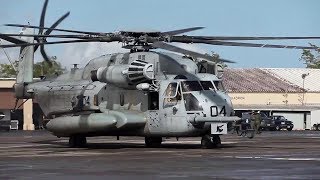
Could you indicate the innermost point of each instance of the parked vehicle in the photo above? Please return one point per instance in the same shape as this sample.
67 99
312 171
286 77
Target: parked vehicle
280 122
316 127
272 123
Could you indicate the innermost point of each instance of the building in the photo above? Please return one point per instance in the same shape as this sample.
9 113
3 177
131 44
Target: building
292 92
24 110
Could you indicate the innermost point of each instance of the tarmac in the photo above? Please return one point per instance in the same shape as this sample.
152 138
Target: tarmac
270 155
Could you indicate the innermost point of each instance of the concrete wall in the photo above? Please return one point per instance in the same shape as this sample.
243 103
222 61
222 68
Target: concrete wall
7 83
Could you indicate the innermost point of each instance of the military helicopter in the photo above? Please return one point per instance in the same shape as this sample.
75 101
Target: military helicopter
140 93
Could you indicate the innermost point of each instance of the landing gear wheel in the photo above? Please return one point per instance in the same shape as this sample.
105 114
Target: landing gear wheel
216 141
153 141
77 141
208 142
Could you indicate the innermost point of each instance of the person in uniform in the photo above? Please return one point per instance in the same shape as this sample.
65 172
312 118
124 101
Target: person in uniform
256 121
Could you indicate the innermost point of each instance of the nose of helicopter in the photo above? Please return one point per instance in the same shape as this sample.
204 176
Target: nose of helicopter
217 100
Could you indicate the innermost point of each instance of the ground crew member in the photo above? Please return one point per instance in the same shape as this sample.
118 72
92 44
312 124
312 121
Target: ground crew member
256 121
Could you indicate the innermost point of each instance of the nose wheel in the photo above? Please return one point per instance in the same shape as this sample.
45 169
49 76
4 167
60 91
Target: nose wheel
210 141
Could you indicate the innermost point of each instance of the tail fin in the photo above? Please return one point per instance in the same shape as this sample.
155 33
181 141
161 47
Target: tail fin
25 70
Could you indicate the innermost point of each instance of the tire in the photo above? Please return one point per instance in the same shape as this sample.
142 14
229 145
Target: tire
153 141
289 129
318 127
208 142
77 141
216 141
277 128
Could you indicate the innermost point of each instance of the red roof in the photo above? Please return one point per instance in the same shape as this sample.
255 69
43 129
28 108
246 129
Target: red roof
255 80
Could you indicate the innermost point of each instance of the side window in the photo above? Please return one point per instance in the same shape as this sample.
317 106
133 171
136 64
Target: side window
263 115
172 95
171 90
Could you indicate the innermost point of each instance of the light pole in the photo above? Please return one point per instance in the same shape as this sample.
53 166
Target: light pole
303 76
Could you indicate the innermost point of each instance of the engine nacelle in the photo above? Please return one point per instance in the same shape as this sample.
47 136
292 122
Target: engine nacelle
116 75
125 76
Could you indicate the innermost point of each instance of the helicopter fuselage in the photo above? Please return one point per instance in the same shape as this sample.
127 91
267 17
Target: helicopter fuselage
134 94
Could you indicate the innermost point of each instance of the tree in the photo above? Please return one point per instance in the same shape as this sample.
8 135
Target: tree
39 69
311 57
44 69
7 71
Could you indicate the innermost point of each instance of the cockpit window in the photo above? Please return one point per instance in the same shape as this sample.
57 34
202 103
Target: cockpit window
207 85
188 86
219 85
191 103
171 90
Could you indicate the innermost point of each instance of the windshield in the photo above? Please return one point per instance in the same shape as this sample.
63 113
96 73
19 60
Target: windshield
219 85
191 103
188 86
207 85
280 118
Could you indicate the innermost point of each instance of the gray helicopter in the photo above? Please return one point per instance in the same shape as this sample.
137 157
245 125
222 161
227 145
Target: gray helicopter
140 93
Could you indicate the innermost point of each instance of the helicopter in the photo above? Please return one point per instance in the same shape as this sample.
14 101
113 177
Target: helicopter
143 92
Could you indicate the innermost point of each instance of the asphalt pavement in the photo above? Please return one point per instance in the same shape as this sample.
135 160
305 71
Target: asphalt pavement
270 155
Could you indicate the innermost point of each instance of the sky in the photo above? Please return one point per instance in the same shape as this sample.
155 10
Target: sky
221 18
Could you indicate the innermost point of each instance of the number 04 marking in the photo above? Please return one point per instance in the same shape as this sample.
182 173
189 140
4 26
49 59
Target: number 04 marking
214 111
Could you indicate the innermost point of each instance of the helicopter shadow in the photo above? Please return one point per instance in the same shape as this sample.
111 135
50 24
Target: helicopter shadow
128 145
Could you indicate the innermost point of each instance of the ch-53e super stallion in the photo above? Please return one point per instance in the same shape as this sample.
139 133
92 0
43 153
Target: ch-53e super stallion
140 93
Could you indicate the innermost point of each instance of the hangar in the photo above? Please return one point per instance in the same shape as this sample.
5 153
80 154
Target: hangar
291 92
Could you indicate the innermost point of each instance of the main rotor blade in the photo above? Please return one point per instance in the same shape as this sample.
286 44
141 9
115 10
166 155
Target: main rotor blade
187 39
52 36
55 42
54 25
12 39
42 17
181 31
230 43
62 30
245 38
172 48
